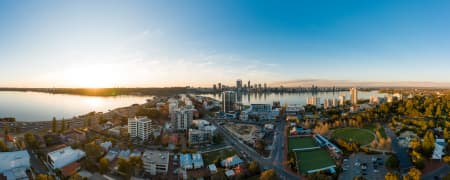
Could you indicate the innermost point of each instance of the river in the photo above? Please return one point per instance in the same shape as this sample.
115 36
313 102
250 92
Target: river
35 106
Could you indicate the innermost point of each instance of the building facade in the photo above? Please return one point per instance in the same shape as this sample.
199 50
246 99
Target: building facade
182 118
354 96
228 101
140 127
156 162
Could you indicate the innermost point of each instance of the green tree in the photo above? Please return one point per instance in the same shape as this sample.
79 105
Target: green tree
317 176
54 124
6 131
44 177
93 151
124 167
31 140
218 138
63 125
104 163
3 147
268 175
391 176
253 167
392 162
260 145
413 174
428 143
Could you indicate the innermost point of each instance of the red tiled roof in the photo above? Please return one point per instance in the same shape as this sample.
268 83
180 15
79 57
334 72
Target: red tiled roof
70 169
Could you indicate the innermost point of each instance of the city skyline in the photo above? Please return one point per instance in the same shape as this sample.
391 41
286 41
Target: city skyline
161 44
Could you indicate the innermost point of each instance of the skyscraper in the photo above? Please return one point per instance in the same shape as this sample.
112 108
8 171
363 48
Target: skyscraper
248 84
354 96
220 86
239 85
341 100
228 101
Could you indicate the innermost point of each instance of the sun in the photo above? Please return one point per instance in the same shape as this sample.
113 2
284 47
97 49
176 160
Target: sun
91 77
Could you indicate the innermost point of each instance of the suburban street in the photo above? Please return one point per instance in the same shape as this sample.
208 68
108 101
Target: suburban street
273 162
401 153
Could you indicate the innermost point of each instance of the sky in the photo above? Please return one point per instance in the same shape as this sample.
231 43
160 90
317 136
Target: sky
178 43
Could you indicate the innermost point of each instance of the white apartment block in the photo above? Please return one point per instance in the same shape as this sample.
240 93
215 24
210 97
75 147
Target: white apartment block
140 127
156 161
182 118
313 100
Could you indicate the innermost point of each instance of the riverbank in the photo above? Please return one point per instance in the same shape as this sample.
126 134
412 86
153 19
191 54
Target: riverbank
106 91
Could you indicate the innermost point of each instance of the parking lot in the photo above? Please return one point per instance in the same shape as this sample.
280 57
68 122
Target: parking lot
360 164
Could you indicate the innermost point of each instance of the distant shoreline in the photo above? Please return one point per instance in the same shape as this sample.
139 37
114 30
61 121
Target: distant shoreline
105 92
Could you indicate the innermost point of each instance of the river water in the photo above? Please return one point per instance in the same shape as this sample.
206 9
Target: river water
34 106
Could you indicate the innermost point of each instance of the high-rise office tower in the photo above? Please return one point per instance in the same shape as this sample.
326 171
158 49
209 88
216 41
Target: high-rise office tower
239 85
228 101
354 96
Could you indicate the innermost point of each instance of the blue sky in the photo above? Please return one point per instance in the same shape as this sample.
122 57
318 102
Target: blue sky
162 43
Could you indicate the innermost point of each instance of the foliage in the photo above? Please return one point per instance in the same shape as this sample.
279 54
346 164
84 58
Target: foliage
54 124
391 176
253 167
104 163
260 145
93 151
268 175
413 174
428 143
392 162
31 140
218 138
317 176
3 147
44 177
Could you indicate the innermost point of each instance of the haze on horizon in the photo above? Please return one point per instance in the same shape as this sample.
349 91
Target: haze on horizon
198 43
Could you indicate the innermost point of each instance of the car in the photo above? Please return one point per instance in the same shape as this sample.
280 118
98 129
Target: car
357 164
345 160
376 171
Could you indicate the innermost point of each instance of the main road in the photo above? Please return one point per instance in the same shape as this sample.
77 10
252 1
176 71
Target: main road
274 161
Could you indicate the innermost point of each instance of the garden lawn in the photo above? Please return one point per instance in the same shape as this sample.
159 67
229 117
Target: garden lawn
301 142
360 136
313 159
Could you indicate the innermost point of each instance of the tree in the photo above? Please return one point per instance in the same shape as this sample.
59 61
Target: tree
413 174
31 141
93 151
3 147
76 176
44 177
124 166
63 125
268 175
6 131
54 125
260 145
391 176
218 138
428 143
392 162
253 167
317 176
104 163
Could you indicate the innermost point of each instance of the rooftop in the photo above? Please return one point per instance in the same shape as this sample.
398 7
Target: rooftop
65 156
14 164
157 157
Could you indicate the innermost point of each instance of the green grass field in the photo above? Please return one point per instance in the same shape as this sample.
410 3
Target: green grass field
209 157
361 136
313 159
301 142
